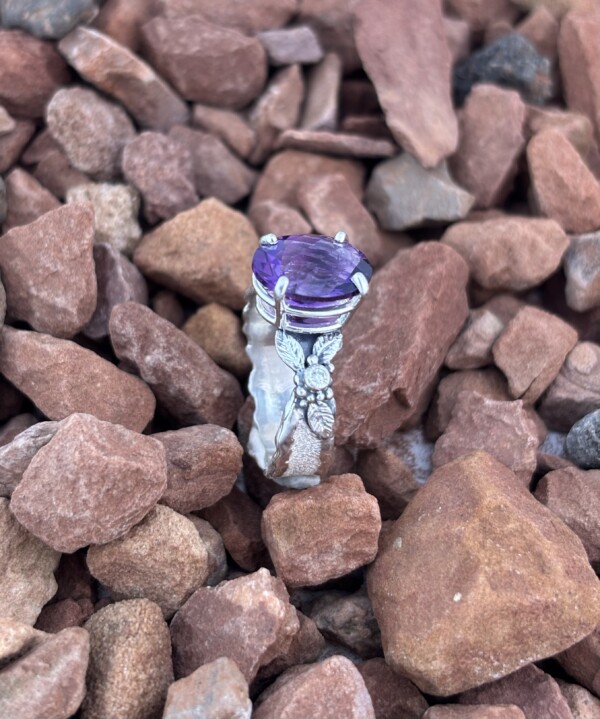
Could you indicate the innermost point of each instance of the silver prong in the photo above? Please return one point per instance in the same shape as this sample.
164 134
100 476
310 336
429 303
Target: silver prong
279 295
340 237
270 239
361 282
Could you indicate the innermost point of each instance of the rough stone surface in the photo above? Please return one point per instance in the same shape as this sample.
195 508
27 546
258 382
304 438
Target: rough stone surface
496 552
187 383
402 194
387 478
123 20
167 305
205 254
130 666
229 126
16 455
7 123
16 638
270 216
113 478
509 253
323 532
582 703
288 46
12 144
541 28
17 424
582 270
26 199
392 694
321 106
249 620
481 711
53 169
416 102
77 380
472 348
217 559
577 128
47 18
115 70
333 21
337 143
27 570
583 441
91 130
48 271
582 661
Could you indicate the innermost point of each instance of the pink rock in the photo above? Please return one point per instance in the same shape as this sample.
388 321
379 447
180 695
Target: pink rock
333 21
392 694
16 455
123 19
321 109
336 143
229 126
472 349
387 478
575 126
15 425
270 216
12 144
582 703
482 13
217 559
26 199
64 613
582 269
541 28
458 38
166 304
481 711
582 661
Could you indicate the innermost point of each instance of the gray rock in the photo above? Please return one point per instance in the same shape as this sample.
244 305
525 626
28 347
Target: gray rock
291 45
47 18
322 95
402 194
583 441
16 456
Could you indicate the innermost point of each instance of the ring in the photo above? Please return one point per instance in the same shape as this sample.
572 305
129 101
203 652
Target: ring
304 289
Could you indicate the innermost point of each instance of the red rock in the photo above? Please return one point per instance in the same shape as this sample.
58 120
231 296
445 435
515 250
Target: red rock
541 28
416 102
123 20
323 532
321 109
582 661
32 72
249 620
76 380
12 144
490 527
472 349
387 478
336 143
582 269
26 199
217 559
115 70
7 123
16 455
56 174
583 704
187 383
576 127
481 13
270 216
17 637
190 53
63 614
333 21
229 126
481 711
458 38
488 153
392 695
166 304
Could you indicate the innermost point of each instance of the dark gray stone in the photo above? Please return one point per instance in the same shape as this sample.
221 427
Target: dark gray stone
583 441
47 18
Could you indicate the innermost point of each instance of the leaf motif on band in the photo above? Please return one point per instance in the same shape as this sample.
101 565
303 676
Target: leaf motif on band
327 346
320 419
290 350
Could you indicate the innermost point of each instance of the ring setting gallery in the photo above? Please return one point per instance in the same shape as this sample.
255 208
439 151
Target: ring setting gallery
304 289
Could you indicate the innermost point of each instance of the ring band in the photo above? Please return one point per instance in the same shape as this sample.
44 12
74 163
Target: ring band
304 289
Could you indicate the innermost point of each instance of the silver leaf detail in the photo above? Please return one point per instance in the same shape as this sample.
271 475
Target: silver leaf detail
290 350
320 419
327 346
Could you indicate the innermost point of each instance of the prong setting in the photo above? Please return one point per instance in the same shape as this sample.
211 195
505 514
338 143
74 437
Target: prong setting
270 239
341 237
361 282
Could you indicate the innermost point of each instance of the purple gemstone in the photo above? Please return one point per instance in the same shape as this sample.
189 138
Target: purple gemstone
318 268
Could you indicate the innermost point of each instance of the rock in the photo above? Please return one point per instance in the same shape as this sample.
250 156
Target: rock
215 623
541 28
336 143
333 21
581 266
556 7
321 109
123 20
187 383
583 440
217 171
425 323
64 614
417 102
291 45
205 254
202 465
577 128
218 331
215 690
532 690
509 253
229 126
16 455
39 68
27 570
327 689
583 704
458 38
488 153
472 349
16 424
55 172
481 711
3 208
115 70
106 464
26 199
17 638
48 271
162 559
166 304
270 216
12 144
49 679
392 694
480 14
217 559
191 54
511 62
162 170
518 535
130 662
582 661
116 209
531 351
402 194
47 18
323 532
506 430
7 123
76 380
576 390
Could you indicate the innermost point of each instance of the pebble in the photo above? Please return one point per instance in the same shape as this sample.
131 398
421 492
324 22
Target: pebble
12 144
582 270
162 170
583 441
327 689
7 123
218 331
458 38
123 20
78 380
402 194
417 102
204 254
130 666
577 128
16 455
392 694
16 637
333 21
49 679
531 351
51 19
217 559
48 271
480 14
17 424
202 465
37 65
116 209
509 252
229 126
336 143
210 624
556 7
541 28
167 305
191 54
582 661
472 349
188 385
91 130
323 532
3 206
481 711
27 570
270 216
487 158
321 106
54 170
115 70
291 45
582 703
26 199
519 539
214 691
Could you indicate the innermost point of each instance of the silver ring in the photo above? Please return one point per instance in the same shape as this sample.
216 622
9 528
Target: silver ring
304 289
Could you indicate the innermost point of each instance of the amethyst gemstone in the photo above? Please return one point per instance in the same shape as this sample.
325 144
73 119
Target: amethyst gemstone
318 268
